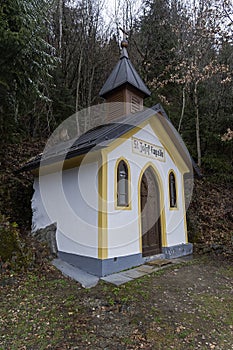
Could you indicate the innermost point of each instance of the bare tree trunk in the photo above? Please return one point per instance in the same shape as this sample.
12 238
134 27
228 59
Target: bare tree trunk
60 25
183 108
197 125
77 91
88 119
16 112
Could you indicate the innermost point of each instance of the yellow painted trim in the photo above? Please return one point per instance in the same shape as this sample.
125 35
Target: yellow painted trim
163 137
102 207
128 207
184 209
162 208
168 144
117 142
176 184
66 164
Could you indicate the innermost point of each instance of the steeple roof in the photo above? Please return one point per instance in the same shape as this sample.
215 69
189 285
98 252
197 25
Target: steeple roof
122 74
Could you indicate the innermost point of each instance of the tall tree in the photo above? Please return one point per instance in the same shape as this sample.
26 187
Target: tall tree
85 60
188 61
26 60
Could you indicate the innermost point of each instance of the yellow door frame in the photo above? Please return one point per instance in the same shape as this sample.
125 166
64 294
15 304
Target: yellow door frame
162 208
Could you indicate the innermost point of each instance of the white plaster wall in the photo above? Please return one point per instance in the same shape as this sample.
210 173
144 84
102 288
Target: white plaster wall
175 225
40 218
70 200
123 225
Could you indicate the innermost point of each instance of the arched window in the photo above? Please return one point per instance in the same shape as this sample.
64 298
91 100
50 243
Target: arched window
172 190
122 184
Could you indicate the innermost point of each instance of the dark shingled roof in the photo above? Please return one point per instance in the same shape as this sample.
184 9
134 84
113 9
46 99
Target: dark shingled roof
99 137
96 138
124 73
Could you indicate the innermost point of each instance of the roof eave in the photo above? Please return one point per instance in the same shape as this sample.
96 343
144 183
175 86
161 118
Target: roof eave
105 93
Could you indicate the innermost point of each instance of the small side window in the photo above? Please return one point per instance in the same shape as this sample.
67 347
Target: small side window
122 184
172 190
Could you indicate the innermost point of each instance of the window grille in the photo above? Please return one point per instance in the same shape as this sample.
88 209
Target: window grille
172 190
122 185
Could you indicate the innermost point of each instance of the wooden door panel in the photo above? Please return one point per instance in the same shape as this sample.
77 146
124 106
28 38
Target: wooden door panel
150 214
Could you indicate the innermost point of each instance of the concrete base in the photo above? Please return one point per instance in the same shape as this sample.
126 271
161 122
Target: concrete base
100 268
178 250
86 280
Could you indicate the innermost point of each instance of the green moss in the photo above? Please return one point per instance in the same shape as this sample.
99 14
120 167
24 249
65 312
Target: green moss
14 253
9 237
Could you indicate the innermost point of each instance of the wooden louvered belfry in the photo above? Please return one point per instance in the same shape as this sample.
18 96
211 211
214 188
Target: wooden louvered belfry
124 90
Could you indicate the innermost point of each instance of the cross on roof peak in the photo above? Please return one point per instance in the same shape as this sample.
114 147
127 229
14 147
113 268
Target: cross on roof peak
124 42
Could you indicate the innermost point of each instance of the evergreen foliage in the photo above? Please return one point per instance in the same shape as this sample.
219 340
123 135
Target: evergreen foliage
55 58
26 61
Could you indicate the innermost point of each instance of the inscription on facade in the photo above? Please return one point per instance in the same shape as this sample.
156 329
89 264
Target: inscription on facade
147 149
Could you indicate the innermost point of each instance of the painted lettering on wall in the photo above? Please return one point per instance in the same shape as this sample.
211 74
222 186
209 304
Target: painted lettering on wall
147 149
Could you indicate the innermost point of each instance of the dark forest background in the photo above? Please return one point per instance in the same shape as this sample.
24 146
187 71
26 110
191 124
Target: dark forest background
55 56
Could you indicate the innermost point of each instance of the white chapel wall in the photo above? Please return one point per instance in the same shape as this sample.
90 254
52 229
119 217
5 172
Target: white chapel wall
123 225
70 200
40 218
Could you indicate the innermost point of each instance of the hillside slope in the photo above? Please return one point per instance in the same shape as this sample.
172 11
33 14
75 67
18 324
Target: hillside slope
210 217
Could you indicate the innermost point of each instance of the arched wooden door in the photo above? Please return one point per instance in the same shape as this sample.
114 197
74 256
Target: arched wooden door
150 214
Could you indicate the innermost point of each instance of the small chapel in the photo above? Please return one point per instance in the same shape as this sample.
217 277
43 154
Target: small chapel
116 193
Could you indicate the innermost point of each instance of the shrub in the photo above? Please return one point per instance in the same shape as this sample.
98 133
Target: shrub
9 237
13 250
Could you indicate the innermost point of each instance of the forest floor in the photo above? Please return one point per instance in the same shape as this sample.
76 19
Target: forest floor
185 306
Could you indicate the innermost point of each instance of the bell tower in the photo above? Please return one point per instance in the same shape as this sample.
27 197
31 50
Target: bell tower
124 90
